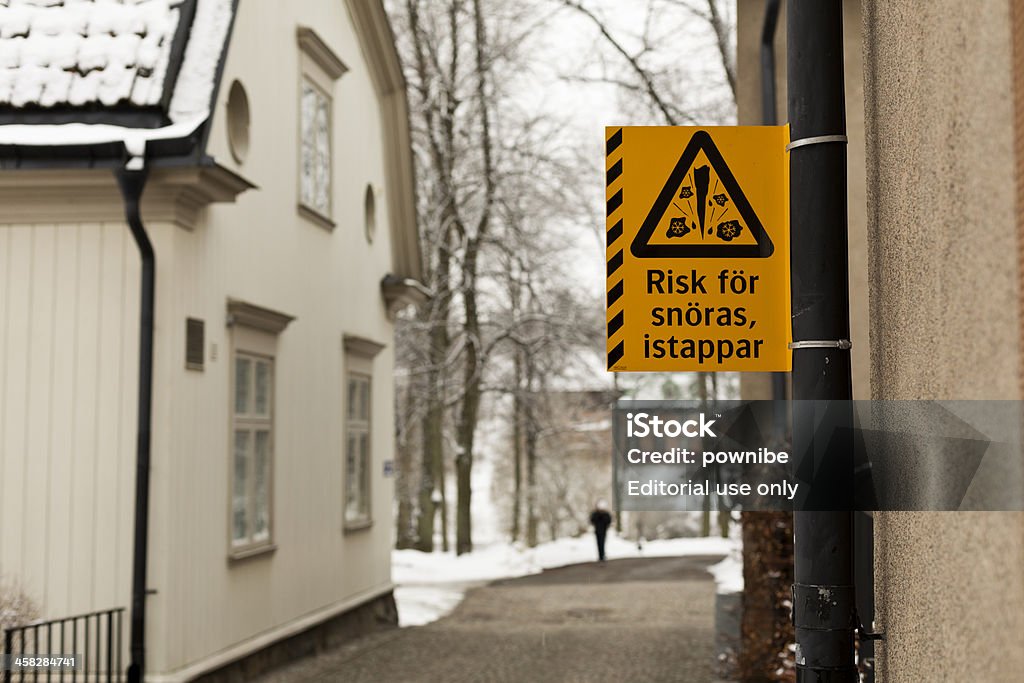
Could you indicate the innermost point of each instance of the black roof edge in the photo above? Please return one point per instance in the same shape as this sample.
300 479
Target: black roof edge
159 153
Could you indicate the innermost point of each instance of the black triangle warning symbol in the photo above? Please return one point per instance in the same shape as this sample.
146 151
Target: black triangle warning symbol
701 212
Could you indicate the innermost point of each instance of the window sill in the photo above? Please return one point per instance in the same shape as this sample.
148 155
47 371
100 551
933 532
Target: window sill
315 216
357 526
239 554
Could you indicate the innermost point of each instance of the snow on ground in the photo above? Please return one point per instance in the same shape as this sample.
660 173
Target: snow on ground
729 572
430 585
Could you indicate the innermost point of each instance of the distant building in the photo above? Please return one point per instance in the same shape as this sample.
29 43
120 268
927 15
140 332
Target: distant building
280 206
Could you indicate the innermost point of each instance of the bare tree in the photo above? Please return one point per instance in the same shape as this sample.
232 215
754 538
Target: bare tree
719 18
653 67
495 190
434 104
477 158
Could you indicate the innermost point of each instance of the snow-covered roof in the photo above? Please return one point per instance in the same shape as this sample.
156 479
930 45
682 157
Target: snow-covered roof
84 72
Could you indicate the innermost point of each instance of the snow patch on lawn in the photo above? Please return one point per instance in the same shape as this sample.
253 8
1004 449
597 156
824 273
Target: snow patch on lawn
431 585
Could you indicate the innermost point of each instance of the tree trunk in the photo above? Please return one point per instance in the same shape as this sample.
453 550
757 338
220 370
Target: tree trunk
405 538
431 446
702 396
723 519
705 520
473 363
405 529
463 474
468 415
532 519
432 465
766 628
443 504
517 444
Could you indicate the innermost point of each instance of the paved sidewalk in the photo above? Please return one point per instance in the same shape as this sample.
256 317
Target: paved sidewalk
644 620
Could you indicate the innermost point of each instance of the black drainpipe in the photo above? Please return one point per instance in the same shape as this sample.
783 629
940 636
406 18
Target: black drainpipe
768 97
769 117
132 182
824 613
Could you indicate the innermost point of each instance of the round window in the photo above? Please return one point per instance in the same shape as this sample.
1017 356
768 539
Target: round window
238 122
370 209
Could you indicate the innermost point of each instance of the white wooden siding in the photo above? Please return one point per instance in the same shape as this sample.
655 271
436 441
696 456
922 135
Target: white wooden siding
68 338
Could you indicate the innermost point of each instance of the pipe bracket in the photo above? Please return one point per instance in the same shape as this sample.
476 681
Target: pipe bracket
824 608
864 634
816 140
843 344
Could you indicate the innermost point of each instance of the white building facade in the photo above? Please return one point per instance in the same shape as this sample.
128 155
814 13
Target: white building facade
281 255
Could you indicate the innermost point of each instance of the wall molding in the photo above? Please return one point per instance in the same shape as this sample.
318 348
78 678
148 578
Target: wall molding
400 292
313 45
361 346
172 195
258 318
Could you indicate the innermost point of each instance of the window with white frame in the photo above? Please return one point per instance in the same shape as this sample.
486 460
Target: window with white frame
357 450
319 69
358 454
315 145
252 388
252 450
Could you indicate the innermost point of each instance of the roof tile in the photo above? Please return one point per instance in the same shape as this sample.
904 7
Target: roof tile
51 49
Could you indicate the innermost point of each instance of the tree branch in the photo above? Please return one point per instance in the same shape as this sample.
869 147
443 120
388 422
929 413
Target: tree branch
642 73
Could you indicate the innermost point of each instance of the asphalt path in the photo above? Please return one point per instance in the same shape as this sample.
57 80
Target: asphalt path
638 620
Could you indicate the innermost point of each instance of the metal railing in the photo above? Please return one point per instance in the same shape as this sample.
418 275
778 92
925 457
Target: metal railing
86 647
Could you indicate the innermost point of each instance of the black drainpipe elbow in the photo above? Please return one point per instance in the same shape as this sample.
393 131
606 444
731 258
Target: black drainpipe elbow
770 117
769 114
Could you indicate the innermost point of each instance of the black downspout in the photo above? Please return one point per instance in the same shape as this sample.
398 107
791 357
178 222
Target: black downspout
132 183
769 117
824 601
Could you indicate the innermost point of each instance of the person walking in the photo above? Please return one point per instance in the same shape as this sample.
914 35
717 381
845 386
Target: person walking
601 519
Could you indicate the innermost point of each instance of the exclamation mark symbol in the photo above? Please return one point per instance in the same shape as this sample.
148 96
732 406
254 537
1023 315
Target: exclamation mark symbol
701 178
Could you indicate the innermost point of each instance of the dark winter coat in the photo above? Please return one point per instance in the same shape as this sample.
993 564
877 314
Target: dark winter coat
601 520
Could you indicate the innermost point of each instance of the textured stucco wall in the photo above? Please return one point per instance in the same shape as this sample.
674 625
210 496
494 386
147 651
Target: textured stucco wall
940 143
949 596
944 323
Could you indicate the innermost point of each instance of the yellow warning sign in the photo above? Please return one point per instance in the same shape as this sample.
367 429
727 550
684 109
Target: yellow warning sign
698 249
